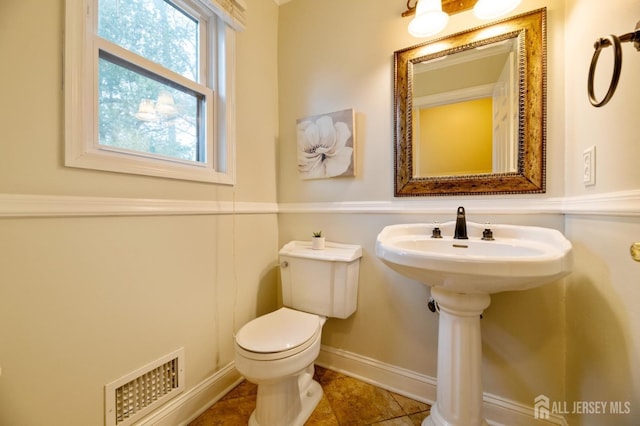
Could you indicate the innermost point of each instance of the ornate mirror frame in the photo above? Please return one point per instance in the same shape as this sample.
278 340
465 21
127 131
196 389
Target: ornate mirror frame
530 177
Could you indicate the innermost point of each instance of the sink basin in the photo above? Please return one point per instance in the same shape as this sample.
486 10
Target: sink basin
462 274
520 257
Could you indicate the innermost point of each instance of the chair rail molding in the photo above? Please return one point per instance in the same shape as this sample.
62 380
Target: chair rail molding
622 203
22 205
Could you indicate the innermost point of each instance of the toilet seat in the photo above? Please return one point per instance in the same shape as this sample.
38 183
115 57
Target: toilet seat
278 335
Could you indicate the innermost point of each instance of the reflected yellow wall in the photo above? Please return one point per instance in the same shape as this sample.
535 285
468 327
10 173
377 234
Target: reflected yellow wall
455 139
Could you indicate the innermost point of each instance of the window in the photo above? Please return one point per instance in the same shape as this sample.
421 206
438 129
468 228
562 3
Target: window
149 87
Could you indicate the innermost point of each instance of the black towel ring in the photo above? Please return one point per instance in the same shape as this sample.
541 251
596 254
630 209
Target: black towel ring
616 42
617 67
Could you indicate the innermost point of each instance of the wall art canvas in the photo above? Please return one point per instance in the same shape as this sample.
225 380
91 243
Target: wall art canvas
326 145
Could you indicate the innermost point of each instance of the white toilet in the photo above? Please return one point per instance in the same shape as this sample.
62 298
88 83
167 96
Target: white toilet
276 351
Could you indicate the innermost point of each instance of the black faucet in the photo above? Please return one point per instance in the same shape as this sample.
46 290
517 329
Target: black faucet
461 225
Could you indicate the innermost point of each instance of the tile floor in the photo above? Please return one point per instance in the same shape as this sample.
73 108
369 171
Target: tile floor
346 402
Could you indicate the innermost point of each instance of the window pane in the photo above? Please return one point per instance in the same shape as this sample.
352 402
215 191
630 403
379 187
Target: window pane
155 29
138 111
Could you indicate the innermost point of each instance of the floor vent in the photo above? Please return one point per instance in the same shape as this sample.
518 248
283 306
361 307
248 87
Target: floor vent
133 396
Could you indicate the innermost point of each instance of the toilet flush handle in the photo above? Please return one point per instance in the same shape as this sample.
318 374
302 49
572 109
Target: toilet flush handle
284 264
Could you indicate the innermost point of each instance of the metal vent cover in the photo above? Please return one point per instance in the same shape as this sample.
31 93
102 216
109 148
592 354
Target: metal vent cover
136 394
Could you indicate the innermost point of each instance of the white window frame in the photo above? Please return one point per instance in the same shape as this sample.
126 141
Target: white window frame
81 98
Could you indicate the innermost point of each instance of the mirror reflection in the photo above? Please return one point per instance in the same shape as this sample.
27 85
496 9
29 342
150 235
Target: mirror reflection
465 112
470 111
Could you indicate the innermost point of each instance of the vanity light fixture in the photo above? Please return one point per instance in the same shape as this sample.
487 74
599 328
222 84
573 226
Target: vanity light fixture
432 16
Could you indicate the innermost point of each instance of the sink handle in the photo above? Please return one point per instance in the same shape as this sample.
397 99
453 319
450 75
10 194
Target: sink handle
487 234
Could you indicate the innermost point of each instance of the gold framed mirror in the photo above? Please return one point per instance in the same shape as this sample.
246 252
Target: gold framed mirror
436 149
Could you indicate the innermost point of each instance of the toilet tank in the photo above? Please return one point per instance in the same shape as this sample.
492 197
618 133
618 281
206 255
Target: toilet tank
322 282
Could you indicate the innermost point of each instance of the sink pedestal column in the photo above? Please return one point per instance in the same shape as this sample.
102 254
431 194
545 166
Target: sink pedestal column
459 393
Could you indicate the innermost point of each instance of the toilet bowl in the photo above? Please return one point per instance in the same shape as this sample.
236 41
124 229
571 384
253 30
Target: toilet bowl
282 366
277 351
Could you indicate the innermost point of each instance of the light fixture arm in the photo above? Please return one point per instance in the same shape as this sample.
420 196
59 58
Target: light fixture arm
411 10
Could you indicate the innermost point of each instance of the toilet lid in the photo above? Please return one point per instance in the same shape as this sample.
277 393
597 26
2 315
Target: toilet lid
278 331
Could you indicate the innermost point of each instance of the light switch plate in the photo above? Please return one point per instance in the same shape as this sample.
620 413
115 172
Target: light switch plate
589 166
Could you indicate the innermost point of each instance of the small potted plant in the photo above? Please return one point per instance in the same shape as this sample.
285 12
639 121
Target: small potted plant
317 241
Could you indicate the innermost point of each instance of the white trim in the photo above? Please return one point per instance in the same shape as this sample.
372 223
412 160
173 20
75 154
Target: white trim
12 205
624 203
454 96
185 408
80 100
232 12
413 385
498 411
431 206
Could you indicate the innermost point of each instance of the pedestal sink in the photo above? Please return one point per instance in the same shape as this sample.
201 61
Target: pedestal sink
462 273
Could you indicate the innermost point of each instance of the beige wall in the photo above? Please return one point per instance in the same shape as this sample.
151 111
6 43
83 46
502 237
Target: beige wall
332 58
559 340
603 296
85 300
32 149
350 65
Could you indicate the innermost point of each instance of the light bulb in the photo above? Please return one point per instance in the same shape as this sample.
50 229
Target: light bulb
429 19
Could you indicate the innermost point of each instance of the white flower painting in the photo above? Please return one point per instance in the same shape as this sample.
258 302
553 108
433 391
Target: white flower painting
326 145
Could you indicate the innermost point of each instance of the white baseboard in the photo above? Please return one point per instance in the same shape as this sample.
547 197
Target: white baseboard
184 408
497 410
413 385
